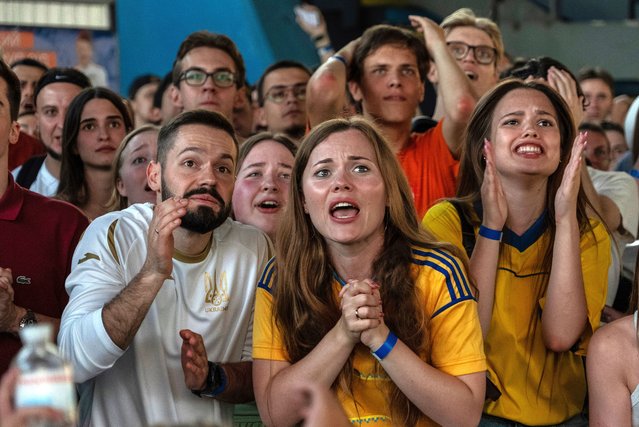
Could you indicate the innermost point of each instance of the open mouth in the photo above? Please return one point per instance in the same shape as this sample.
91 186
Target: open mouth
471 75
529 149
343 210
269 205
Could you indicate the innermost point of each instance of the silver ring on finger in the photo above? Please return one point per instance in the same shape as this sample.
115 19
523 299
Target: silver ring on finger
357 314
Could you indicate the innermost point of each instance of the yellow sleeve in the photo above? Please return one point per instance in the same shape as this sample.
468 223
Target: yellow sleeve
443 223
267 340
454 333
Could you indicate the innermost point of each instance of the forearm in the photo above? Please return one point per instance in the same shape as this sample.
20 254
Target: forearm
326 90
275 391
603 205
123 315
483 270
432 390
458 99
239 383
40 318
565 313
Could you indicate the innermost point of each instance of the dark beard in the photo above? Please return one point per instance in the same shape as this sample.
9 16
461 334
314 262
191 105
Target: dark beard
203 219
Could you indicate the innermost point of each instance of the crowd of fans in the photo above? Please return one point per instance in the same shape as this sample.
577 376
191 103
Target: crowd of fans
317 245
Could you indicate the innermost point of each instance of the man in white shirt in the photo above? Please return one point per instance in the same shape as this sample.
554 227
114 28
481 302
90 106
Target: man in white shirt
151 282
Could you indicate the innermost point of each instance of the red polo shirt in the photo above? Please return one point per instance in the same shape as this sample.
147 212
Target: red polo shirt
37 238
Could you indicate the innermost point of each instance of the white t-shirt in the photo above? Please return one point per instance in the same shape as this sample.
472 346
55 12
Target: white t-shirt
622 189
212 295
45 183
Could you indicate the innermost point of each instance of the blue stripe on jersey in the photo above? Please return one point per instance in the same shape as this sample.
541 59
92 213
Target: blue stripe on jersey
265 281
530 236
339 279
450 304
450 268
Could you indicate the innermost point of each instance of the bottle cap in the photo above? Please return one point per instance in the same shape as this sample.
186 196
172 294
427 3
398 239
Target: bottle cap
36 333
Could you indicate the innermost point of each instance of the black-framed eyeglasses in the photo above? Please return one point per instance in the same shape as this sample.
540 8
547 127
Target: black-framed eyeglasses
483 54
278 94
197 77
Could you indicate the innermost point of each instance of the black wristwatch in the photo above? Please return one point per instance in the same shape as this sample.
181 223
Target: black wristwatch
28 319
215 382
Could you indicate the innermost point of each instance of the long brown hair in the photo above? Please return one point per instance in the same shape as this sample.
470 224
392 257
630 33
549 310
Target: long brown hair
472 171
472 163
305 308
72 187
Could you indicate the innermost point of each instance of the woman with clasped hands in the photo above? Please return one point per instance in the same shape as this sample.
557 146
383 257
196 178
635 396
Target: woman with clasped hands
362 301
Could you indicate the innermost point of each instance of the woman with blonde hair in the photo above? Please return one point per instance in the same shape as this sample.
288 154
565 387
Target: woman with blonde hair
362 301
131 159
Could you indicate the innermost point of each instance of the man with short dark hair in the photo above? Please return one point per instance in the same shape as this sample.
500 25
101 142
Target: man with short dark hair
163 106
29 72
53 93
37 238
152 287
141 94
208 74
386 69
281 94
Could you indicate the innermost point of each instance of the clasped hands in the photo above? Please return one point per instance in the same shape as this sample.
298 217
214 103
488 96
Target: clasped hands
362 313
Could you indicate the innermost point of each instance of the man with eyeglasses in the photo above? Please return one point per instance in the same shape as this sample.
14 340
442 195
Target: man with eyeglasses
476 43
208 74
281 94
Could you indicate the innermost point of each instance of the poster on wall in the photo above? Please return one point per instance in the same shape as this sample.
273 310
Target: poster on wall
93 52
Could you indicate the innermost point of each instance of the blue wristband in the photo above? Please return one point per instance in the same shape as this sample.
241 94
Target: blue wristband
489 233
634 173
386 348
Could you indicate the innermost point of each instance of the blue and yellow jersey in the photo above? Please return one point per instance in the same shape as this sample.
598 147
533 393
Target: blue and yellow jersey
538 386
454 340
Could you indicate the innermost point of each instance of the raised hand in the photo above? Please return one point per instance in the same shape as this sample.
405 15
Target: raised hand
167 217
562 82
361 307
195 364
492 194
566 197
306 25
433 33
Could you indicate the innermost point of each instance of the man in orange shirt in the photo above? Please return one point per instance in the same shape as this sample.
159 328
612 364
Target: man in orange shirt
386 68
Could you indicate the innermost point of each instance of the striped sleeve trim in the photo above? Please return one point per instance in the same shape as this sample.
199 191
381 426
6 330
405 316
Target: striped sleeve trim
450 267
111 241
266 280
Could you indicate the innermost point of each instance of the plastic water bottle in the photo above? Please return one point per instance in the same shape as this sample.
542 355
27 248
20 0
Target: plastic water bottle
45 378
